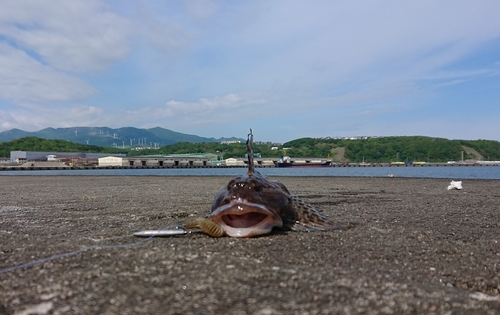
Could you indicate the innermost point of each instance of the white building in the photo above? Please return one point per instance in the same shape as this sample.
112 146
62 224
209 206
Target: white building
112 161
234 162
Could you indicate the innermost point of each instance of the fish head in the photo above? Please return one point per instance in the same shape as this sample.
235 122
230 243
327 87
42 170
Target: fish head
251 205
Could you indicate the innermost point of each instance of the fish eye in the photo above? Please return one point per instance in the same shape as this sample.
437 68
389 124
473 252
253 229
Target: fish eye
231 184
255 185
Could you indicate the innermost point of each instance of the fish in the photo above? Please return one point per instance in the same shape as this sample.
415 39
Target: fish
253 205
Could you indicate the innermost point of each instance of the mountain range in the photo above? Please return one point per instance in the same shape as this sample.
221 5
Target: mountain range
104 136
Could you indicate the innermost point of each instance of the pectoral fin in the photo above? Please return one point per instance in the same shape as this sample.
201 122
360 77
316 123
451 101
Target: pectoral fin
208 226
308 218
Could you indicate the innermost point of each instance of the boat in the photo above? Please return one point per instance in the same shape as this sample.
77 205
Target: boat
286 162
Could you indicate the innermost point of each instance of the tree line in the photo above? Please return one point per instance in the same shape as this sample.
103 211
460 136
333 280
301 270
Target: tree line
398 149
383 149
44 145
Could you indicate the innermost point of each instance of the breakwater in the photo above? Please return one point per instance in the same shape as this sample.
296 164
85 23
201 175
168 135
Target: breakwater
41 166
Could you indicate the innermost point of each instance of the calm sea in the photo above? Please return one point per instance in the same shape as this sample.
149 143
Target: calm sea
449 172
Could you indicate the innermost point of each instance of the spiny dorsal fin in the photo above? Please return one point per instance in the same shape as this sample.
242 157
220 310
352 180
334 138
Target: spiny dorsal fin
251 169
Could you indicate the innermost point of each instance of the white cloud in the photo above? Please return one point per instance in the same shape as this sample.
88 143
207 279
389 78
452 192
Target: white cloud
360 40
208 111
463 73
167 35
203 112
51 50
204 105
78 35
54 116
201 9
27 82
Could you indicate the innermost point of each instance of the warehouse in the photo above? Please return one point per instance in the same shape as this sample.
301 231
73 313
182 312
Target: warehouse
112 161
27 156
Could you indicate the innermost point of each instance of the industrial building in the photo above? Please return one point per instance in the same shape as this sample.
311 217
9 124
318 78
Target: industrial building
200 160
112 161
28 156
35 159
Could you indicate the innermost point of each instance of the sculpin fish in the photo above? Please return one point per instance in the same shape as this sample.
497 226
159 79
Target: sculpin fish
252 205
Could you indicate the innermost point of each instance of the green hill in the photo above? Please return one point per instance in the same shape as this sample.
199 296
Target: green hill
383 149
104 136
39 144
393 149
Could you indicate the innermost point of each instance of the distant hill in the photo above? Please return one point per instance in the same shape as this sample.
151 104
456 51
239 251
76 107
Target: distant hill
109 137
44 145
395 149
383 149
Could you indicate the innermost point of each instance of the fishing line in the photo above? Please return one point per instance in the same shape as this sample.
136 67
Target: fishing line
43 260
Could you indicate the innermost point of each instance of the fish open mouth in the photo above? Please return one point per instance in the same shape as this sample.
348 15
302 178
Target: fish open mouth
245 219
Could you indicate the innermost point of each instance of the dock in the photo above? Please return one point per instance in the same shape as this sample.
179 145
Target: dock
155 163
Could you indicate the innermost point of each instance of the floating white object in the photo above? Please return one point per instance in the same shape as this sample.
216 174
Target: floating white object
455 185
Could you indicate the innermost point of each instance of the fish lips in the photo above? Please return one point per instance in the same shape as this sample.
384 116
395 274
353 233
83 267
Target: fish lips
241 218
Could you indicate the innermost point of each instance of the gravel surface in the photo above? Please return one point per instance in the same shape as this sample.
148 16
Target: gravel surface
408 246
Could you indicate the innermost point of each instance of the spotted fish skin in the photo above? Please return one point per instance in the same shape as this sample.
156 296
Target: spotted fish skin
252 205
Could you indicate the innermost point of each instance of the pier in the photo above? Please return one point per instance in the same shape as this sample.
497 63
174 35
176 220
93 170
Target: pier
155 163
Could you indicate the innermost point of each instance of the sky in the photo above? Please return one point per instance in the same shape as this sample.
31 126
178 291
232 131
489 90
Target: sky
286 69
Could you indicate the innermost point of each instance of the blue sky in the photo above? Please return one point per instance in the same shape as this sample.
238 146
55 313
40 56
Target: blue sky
286 69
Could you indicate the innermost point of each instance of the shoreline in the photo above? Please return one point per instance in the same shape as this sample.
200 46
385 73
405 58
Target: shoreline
50 166
408 245
455 173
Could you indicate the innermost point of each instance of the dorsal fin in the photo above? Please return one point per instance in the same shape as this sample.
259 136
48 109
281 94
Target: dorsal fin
251 168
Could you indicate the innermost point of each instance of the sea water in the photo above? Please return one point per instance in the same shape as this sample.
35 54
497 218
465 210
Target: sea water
449 172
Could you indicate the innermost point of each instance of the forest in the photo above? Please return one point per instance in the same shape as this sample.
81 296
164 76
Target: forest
397 149
381 149
44 145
